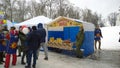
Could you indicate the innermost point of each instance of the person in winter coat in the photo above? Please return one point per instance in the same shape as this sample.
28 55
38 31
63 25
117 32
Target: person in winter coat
42 33
98 35
5 31
2 46
33 39
19 43
79 42
23 48
11 47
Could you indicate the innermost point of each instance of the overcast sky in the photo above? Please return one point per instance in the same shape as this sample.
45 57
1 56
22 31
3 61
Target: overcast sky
103 7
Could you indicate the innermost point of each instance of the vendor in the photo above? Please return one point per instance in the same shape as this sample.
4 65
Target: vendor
79 42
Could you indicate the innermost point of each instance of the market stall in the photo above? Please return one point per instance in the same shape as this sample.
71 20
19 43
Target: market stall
62 34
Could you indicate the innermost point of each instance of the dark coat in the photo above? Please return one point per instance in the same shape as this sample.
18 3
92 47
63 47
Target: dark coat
42 32
22 38
33 40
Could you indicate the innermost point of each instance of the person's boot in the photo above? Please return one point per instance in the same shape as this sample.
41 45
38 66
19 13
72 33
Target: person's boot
27 66
99 48
46 58
1 63
2 60
19 55
79 54
33 66
23 63
6 67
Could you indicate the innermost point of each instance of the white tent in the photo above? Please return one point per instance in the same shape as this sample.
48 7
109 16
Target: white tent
9 24
35 21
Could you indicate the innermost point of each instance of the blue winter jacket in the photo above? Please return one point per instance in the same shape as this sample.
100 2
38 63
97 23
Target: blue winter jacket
42 32
97 31
10 50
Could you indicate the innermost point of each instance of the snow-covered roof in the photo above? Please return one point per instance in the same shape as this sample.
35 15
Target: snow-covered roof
35 21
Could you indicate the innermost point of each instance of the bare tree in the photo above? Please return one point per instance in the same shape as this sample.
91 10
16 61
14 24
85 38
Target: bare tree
38 8
88 16
50 5
20 11
112 17
86 13
74 12
4 8
9 7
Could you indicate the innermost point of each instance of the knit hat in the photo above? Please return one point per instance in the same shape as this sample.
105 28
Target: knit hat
40 25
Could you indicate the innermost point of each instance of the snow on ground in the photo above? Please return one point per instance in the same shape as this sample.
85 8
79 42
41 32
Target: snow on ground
110 38
108 57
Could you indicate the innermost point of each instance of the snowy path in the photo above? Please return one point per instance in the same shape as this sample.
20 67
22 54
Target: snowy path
108 59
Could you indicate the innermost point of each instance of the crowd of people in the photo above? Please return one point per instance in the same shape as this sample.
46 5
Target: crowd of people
28 45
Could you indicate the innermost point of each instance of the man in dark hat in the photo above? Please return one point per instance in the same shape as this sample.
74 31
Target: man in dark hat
33 42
